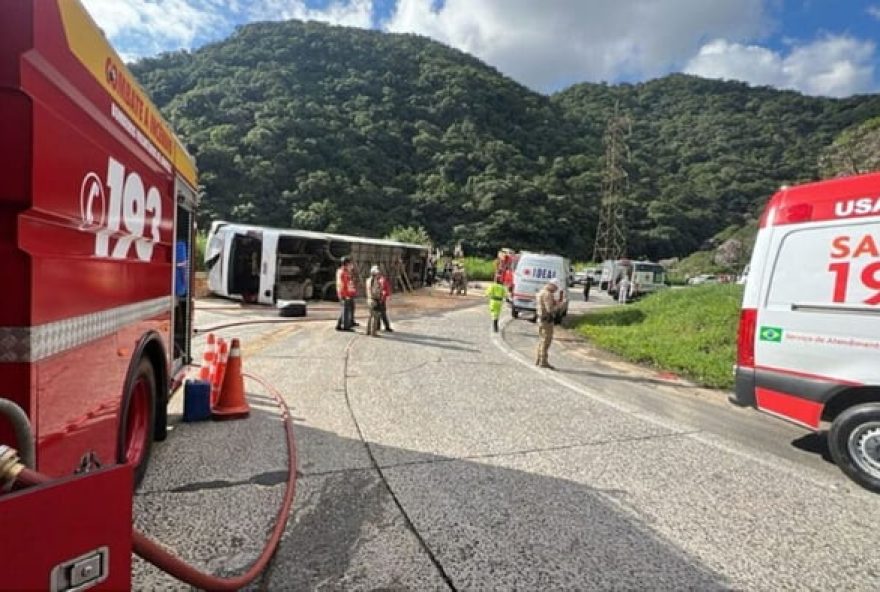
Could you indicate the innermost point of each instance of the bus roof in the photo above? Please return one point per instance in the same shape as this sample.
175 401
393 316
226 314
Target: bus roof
318 235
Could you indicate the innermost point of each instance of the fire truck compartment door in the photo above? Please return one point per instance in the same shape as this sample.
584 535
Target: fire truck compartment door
70 534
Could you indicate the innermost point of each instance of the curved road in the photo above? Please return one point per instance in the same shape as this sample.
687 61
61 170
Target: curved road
440 458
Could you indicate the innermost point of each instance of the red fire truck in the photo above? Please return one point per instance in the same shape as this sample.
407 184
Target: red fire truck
97 198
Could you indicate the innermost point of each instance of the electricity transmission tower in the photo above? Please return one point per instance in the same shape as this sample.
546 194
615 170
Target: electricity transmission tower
611 231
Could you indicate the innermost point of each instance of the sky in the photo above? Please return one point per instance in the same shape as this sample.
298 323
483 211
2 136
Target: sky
818 47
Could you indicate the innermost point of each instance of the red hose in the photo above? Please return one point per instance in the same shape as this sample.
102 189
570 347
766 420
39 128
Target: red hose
29 477
169 563
164 560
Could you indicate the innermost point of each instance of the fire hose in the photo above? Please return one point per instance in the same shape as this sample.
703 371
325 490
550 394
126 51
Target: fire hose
13 471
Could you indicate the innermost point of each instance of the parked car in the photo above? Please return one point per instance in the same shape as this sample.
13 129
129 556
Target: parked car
580 277
703 279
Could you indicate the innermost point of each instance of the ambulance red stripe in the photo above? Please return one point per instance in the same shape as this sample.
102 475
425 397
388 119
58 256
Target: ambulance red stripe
791 407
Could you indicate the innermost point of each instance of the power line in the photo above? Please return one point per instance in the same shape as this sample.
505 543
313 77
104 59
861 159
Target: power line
611 231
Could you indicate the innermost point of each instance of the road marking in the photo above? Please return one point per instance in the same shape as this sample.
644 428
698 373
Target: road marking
773 462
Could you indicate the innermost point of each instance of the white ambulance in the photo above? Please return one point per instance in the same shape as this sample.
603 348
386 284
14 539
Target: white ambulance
809 334
533 272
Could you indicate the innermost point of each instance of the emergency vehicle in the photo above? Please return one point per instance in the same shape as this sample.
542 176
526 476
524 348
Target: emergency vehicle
96 229
647 277
533 272
809 332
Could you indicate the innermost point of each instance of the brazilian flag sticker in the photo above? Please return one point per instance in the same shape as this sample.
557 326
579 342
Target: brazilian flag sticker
772 334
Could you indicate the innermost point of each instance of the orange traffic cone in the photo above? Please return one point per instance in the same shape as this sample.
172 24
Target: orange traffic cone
232 403
208 358
218 370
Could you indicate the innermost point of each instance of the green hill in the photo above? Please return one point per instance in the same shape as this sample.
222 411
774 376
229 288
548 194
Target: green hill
332 128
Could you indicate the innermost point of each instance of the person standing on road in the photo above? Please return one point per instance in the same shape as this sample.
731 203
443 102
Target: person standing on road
548 308
385 283
623 289
346 292
430 269
496 293
447 270
375 295
457 280
588 282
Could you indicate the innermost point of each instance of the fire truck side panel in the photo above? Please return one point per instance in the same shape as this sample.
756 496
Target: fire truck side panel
78 414
75 155
15 130
86 214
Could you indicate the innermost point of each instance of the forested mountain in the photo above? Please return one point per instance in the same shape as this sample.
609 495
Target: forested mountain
331 128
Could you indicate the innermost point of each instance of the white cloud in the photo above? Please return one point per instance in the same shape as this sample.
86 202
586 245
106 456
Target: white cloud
547 44
350 13
835 66
146 27
153 25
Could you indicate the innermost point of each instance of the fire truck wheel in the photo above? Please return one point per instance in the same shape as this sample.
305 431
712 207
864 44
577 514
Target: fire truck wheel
854 440
136 427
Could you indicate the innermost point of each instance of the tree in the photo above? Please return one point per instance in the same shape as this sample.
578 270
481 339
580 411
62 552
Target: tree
415 235
855 151
361 132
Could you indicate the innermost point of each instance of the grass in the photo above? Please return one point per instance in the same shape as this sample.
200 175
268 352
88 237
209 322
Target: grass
691 332
199 252
478 269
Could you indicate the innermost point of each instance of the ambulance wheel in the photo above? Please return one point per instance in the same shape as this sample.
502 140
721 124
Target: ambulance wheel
514 312
137 422
854 440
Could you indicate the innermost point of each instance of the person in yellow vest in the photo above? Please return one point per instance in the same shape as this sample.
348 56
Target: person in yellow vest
496 293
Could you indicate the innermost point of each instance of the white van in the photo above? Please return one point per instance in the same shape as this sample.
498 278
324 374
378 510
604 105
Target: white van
809 334
646 277
533 271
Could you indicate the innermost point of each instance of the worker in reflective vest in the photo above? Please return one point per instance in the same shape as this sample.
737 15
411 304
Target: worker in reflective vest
346 291
496 293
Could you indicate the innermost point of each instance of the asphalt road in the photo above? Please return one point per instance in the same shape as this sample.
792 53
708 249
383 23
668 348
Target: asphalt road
439 457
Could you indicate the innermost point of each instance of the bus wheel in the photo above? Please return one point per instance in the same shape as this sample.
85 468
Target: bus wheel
328 292
137 425
514 312
854 441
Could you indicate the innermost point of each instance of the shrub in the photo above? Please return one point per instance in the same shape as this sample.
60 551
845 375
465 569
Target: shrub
691 332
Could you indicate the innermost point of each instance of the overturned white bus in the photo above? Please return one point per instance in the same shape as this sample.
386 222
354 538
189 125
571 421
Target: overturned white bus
263 265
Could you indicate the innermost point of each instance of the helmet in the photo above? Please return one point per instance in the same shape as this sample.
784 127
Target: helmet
374 270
